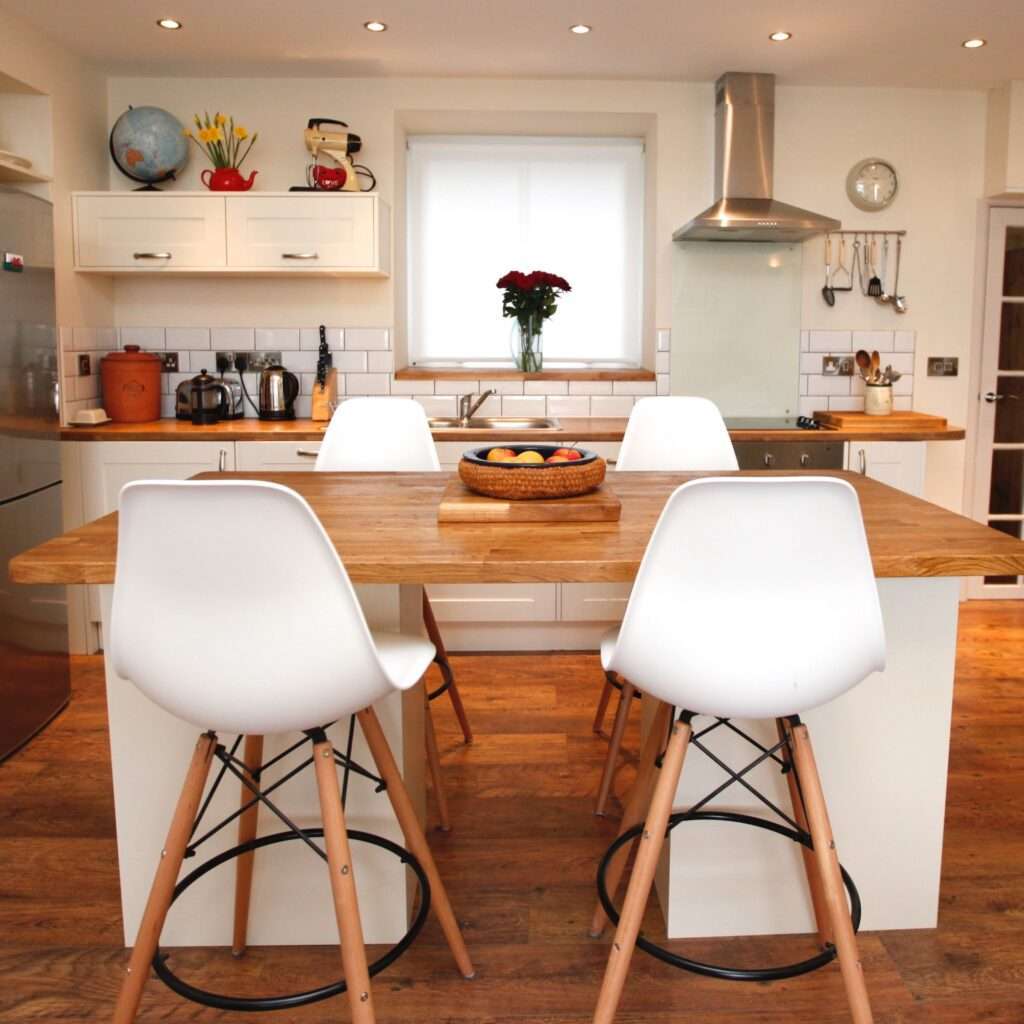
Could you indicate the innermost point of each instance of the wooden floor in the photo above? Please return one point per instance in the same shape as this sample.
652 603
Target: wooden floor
520 866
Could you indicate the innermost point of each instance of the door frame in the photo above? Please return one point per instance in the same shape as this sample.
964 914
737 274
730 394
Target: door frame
972 499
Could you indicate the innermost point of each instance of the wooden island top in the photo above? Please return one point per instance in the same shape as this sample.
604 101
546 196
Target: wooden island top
385 528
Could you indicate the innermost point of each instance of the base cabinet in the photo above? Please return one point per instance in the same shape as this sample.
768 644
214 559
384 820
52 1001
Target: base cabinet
900 464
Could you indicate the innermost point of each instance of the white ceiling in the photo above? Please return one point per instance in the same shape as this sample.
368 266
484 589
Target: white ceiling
863 42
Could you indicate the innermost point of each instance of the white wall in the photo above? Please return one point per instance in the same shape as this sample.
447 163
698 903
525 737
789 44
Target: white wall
934 138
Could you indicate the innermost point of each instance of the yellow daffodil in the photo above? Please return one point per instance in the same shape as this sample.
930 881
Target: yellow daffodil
220 119
240 132
186 133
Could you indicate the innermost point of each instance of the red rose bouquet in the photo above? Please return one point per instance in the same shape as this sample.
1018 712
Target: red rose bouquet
531 299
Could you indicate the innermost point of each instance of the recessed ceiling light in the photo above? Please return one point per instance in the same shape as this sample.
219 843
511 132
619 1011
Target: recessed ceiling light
579 30
973 44
171 24
375 26
780 37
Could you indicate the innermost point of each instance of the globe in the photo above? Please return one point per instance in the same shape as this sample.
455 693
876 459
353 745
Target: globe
148 145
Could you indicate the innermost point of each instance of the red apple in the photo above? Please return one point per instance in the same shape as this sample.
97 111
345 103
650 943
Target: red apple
557 458
570 454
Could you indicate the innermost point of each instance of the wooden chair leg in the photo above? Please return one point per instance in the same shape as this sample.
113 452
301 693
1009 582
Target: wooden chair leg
253 758
434 764
415 840
163 883
614 745
810 865
602 704
442 659
636 807
831 878
651 841
343 885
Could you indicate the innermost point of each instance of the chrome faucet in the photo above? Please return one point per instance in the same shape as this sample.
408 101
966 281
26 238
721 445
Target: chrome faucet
467 406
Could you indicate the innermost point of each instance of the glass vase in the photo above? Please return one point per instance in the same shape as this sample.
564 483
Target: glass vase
527 343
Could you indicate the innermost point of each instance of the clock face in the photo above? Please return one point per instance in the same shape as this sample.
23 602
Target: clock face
872 184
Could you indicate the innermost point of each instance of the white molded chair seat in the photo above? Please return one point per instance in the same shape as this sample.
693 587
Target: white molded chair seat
403 657
378 435
676 434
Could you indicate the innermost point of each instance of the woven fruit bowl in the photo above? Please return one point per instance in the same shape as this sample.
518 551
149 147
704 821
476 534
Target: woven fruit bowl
516 478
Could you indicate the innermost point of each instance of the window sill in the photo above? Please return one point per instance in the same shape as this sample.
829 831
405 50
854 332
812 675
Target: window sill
508 372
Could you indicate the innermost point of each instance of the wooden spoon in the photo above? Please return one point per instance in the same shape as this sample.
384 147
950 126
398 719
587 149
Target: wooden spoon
863 361
876 363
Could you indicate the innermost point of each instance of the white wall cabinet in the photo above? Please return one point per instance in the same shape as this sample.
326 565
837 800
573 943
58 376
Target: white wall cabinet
277 233
900 464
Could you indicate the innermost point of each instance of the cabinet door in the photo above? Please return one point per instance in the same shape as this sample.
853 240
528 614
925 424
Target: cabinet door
275 456
900 464
305 233
159 232
108 465
494 602
594 602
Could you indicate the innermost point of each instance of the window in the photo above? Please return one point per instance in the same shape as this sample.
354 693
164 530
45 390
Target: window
479 206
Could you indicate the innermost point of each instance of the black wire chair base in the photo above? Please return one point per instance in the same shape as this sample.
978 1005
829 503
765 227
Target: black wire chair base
826 956
292 1000
447 677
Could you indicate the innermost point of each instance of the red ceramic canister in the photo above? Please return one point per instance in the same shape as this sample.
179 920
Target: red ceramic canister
131 385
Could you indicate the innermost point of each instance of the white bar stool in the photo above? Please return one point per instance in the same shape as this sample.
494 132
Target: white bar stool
304 658
674 434
391 435
774 560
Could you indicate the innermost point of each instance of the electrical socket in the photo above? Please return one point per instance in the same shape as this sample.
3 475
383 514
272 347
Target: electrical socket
246 362
837 366
943 366
170 361
84 365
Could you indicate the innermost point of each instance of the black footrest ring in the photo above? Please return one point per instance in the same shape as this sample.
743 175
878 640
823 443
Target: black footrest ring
447 677
286 1002
712 970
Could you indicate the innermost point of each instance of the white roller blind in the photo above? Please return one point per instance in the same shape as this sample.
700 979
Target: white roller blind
479 206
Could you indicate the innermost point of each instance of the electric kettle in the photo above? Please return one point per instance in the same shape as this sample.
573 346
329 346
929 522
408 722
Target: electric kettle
203 399
278 391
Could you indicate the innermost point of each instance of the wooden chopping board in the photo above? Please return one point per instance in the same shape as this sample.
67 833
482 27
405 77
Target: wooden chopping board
461 505
845 420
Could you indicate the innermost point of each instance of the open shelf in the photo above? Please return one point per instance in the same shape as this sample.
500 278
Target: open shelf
15 172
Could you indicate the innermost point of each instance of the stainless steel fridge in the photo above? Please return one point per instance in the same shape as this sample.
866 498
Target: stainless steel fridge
34 670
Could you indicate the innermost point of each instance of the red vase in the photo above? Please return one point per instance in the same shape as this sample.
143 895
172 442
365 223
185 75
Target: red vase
227 179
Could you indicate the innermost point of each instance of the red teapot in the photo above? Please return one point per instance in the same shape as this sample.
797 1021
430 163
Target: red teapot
227 179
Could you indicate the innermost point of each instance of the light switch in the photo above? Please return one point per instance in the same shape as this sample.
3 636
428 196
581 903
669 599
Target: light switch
943 366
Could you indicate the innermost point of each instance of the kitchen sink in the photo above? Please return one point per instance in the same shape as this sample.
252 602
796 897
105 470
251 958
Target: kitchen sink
495 423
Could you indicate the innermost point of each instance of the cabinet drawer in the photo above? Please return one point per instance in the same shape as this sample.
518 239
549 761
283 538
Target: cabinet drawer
151 233
594 602
275 456
494 602
303 233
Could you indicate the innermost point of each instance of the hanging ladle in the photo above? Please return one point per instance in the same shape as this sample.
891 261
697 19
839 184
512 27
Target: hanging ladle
826 292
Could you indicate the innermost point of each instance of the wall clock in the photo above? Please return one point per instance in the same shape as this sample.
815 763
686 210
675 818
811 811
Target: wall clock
872 184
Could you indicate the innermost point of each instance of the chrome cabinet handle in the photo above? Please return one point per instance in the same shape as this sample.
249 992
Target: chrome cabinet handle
769 460
300 255
805 460
151 255
222 461
307 453
863 462
991 396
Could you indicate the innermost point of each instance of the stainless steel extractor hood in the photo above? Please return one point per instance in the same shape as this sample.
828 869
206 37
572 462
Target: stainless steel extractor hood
744 210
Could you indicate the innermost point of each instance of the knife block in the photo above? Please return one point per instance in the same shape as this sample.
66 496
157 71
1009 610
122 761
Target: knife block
324 396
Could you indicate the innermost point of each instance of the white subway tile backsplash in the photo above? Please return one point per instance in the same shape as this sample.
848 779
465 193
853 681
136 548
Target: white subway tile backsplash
303 407
664 339
805 341
663 362
503 387
846 403
559 405
187 337
367 338
904 386
412 387
523 405
299 362
437 406
902 403
346 362
381 362
235 339
148 338
903 341
309 337
279 339
590 387
634 387
830 341
807 406
67 338
611 405
367 384
86 387
901 361
546 387
664 384
810 362
803 383
870 341
817 384
167 408
491 406
456 387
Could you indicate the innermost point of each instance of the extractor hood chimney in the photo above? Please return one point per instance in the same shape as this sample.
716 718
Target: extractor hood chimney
744 210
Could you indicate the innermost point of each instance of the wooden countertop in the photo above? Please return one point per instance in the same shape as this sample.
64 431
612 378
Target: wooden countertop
385 528
571 429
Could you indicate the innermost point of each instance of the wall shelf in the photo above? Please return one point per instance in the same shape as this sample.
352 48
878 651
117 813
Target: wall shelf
11 171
